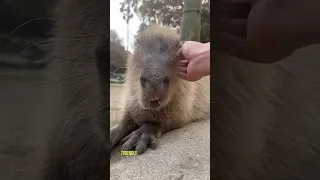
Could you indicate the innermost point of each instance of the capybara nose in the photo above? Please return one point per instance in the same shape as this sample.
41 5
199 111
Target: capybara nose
154 98
154 101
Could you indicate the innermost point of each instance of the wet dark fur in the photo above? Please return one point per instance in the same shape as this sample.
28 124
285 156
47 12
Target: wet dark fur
78 149
266 120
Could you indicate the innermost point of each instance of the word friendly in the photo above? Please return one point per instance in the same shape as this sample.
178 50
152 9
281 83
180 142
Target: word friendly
128 153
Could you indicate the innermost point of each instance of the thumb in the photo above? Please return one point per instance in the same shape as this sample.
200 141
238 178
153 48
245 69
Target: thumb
179 55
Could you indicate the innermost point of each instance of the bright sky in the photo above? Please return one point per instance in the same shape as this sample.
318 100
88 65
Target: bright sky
118 24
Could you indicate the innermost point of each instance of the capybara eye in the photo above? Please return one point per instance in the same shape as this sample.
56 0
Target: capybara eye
143 80
166 80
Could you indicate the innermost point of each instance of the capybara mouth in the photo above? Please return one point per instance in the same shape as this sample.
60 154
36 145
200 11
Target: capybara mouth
154 104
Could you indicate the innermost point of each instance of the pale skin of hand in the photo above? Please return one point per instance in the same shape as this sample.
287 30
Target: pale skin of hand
193 60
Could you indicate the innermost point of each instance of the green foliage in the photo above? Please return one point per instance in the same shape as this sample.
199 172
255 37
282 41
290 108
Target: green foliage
118 57
165 12
114 37
126 9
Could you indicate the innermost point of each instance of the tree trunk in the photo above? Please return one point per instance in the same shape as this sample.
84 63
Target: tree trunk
191 20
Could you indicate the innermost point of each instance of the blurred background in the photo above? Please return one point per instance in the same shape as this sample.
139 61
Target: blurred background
24 27
24 41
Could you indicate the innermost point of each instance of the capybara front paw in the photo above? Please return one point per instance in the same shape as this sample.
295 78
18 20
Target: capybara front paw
140 139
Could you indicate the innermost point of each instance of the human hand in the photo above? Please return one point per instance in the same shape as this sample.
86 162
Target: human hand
265 31
193 60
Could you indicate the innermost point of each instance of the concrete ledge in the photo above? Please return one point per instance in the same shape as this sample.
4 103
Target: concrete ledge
181 154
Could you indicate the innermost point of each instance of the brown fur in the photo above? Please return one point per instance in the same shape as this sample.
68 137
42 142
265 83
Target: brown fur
186 101
78 149
266 118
